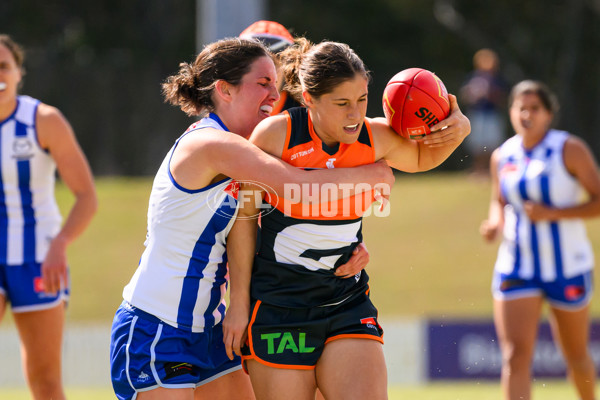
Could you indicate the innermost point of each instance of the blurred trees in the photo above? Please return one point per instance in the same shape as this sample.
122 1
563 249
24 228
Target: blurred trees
556 41
102 63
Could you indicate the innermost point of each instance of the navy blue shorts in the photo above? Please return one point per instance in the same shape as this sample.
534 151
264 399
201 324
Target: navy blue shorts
22 286
572 293
295 338
146 353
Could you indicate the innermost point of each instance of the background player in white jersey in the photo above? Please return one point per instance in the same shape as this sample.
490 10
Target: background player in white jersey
167 336
35 140
544 183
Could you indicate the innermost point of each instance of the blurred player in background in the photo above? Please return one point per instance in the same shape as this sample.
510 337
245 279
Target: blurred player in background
310 329
544 183
484 95
277 38
37 140
167 335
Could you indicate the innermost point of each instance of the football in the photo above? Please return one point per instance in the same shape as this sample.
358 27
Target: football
414 100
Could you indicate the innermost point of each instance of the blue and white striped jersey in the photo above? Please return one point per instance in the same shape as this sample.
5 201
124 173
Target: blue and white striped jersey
545 250
181 278
29 216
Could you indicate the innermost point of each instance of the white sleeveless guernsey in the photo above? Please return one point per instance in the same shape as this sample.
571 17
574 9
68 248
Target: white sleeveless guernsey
29 216
543 250
181 278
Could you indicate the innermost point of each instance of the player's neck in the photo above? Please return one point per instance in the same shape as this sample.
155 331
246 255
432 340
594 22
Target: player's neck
7 108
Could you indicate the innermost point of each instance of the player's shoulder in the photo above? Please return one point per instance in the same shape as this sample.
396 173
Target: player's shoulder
270 134
47 111
207 138
382 132
378 124
52 125
50 117
575 147
274 123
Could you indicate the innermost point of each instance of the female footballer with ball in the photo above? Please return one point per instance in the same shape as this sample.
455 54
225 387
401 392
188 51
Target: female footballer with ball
544 183
167 335
308 328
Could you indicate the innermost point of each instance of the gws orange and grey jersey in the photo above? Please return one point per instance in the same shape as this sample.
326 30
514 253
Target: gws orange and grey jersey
301 245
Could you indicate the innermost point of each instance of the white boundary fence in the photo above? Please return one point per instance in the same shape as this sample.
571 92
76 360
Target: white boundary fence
86 359
416 351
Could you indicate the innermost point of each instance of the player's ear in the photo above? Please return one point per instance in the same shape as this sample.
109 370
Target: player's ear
223 89
308 101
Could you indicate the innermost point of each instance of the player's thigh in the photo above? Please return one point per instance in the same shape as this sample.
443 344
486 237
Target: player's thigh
162 393
2 305
281 383
41 334
235 385
517 321
352 368
571 330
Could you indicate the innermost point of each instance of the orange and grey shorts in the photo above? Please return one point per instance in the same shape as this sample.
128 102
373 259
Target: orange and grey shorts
294 338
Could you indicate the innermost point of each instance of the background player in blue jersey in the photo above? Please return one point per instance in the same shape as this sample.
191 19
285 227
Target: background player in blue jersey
167 336
35 140
544 183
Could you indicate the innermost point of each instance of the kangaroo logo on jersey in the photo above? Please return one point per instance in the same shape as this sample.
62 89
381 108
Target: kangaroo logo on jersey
22 148
233 189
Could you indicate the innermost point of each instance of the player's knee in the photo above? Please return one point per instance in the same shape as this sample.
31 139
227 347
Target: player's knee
45 387
579 362
516 356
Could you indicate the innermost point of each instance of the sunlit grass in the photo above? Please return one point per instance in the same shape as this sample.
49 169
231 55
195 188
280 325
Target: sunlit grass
427 258
546 390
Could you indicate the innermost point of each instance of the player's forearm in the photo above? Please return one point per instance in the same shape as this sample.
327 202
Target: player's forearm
79 217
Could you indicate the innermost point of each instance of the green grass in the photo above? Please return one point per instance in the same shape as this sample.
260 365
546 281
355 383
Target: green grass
427 258
548 390
71 393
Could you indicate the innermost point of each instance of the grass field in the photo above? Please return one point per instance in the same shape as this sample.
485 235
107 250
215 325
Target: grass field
427 258
462 391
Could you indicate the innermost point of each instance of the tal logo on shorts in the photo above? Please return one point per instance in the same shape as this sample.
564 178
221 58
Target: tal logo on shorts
285 342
